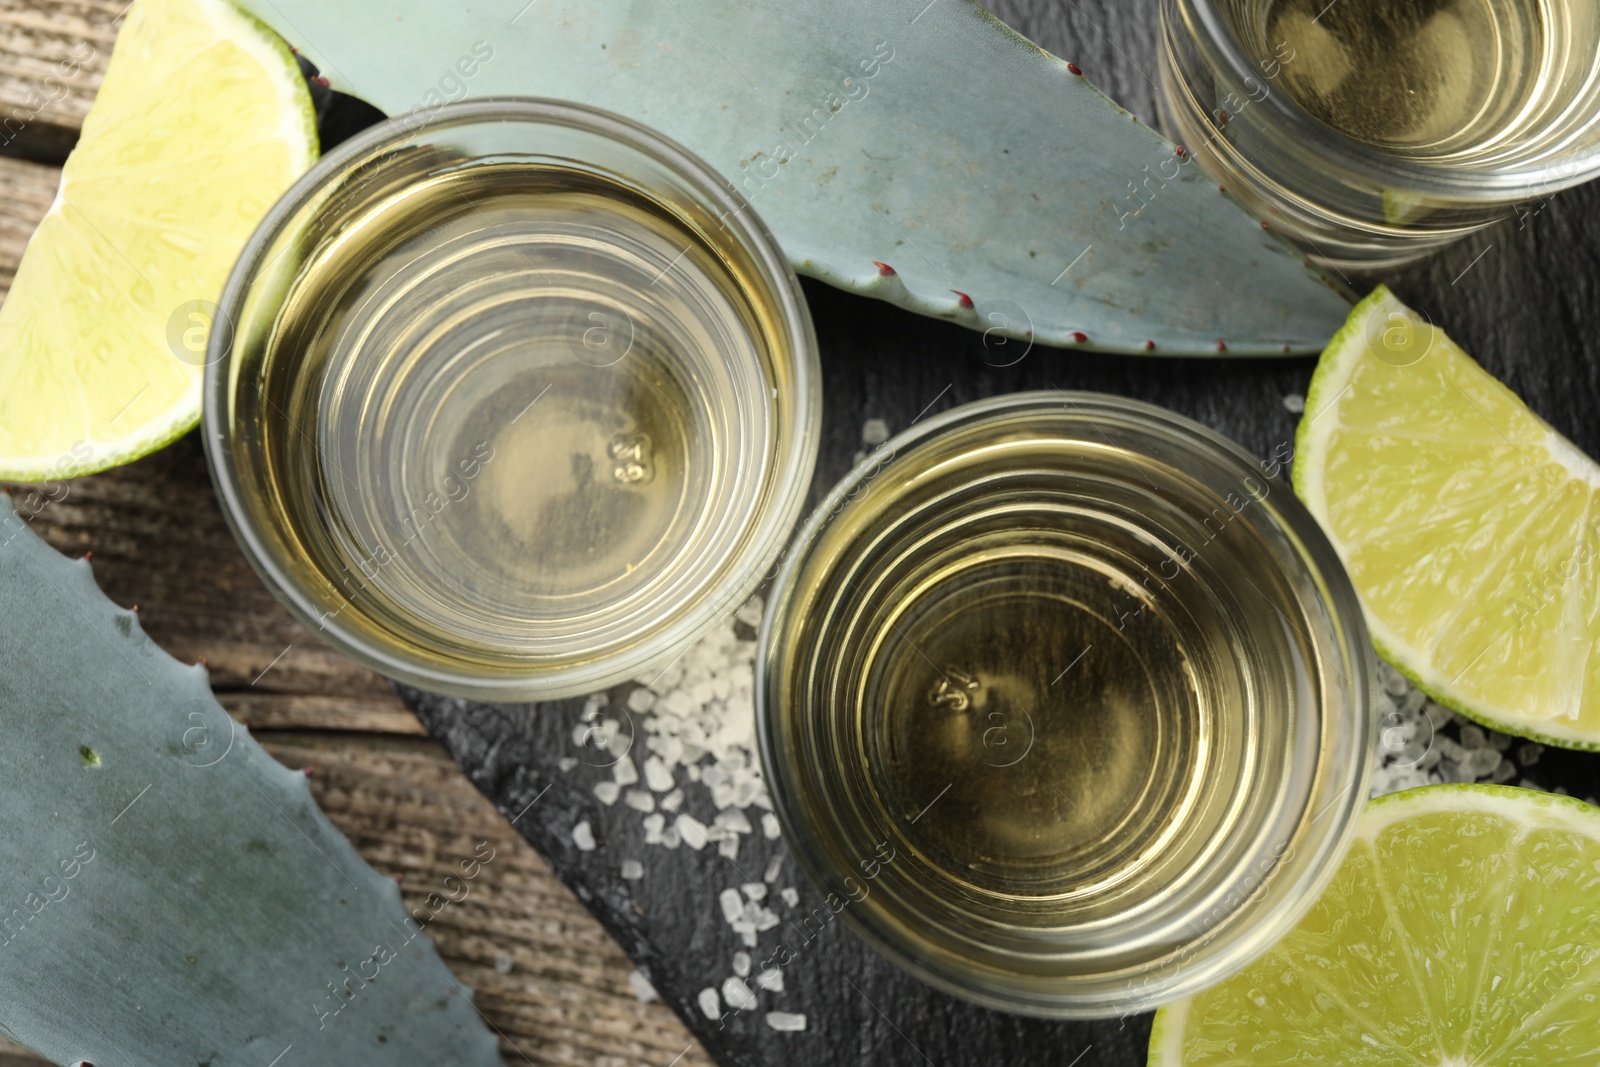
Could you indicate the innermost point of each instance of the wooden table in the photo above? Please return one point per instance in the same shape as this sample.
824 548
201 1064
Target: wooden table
548 976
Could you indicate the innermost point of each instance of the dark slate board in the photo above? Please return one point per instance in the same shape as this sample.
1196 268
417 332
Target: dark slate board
1524 297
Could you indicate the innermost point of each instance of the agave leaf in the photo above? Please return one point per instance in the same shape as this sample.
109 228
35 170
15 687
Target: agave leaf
926 136
171 894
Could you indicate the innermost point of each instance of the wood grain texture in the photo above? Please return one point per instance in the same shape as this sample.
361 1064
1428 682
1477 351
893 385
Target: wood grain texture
52 57
28 190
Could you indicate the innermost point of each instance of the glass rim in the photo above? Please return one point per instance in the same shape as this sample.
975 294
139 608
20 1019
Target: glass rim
1470 184
790 480
1239 946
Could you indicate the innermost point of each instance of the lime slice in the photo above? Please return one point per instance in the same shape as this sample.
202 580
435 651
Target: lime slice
1459 931
1468 525
201 123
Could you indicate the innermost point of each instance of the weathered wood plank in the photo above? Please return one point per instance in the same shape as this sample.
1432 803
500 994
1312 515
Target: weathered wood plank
52 57
559 994
26 190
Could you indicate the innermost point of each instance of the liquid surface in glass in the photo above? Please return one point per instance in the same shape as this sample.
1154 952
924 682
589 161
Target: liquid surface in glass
510 397
1441 80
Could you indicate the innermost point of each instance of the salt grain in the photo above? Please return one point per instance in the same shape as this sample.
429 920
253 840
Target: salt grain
735 820
641 986
770 827
791 896
710 1003
607 792
786 1021
656 775
732 905
755 890
692 830
1294 404
583 836
737 994
623 772
632 870
874 432
750 612
639 800
771 980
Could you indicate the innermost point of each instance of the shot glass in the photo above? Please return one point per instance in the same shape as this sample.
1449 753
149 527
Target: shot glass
1373 132
513 400
1065 704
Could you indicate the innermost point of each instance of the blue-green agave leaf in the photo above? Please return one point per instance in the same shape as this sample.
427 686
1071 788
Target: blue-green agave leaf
1002 190
171 894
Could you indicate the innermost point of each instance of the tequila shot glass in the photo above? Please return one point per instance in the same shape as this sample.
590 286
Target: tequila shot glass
1065 704
1373 132
517 398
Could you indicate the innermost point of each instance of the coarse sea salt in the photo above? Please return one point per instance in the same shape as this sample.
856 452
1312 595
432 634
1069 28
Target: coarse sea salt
641 986
1421 743
683 748
738 994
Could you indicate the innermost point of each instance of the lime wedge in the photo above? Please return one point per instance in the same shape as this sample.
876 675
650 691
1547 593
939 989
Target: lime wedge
1468 525
201 123
1459 931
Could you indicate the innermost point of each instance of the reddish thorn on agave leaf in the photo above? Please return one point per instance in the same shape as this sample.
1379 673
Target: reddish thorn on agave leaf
1074 68
1149 346
1222 346
320 80
1079 336
884 269
965 301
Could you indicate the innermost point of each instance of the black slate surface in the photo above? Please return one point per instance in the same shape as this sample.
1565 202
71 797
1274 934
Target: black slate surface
1524 297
